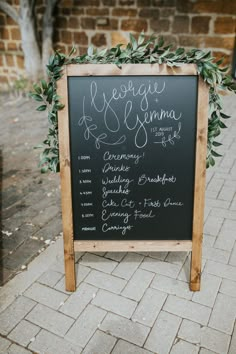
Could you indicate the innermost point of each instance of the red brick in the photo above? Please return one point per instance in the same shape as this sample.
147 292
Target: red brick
66 11
87 2
191 41
144 3
56 36
134 25
1 60
207 6
112 24
10 21
9 60
200 24
66 3
147 12
166 12
12 46
126 2
126 12
99 39
80 38
109 2
184 6
20 62
73 22
160 26
4 33
77 11
97 12
166 3
2 19
61 22
2 45
219 42
87 23
66 37
181 24
218 55
83 50
15 34
225 25
219 6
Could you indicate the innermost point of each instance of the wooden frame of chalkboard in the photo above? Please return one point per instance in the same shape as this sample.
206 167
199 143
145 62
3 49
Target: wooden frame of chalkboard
70 244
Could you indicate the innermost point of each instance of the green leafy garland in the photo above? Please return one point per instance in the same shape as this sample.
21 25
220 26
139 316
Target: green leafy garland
152 50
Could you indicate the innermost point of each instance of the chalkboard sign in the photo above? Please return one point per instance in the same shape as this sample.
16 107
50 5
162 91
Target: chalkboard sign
133 148
132 156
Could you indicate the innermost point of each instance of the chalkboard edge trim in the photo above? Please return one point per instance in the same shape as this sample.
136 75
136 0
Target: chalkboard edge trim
130 69
133 246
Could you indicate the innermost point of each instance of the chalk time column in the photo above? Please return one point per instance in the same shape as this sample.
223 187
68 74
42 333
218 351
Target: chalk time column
87 209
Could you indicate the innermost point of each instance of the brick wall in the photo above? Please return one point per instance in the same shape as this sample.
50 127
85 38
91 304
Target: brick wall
208 24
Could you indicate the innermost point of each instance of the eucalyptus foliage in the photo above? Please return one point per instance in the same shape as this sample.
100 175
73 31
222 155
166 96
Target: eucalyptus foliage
152 50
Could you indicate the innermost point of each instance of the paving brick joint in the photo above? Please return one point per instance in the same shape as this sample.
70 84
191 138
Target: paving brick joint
125 303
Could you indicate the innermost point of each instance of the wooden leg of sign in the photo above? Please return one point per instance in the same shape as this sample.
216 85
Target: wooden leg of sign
66 198
196 265
70 271
199 186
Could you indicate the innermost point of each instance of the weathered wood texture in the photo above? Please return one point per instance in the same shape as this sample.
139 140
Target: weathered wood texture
132 246
199 185
66 197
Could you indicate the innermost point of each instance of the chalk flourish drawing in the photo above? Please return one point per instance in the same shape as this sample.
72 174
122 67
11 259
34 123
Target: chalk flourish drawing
89 128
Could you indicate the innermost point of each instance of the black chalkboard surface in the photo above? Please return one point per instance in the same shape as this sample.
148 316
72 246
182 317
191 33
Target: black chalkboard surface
132 145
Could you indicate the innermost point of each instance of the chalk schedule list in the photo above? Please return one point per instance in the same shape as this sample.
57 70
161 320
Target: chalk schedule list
132 146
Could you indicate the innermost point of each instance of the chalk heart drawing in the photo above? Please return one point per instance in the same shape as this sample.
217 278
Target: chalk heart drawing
115 122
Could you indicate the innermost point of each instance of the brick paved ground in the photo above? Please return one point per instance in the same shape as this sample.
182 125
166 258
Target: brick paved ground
125 303
30 201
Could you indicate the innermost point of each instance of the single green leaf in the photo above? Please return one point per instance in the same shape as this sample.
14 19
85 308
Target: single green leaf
222 125
214 153
211 160
141 38
160 42
44 84
37 97
42 108
73 50
216 144
40 146
133 41
224 116
44 168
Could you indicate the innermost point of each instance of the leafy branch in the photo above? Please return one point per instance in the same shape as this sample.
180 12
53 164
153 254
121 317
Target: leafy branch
151 50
